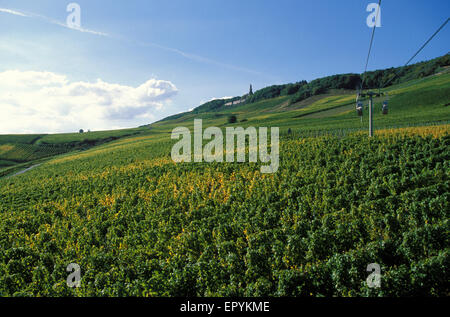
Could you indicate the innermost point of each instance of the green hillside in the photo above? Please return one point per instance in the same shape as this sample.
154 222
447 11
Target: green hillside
418 94
421 101
139 224
296 92
21 151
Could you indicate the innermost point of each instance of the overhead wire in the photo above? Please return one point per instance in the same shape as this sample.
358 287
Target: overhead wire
371 44
417 53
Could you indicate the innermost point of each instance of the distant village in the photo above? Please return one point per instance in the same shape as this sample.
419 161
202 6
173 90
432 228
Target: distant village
242 100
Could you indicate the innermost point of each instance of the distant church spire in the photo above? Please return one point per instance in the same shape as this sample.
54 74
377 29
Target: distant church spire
251 90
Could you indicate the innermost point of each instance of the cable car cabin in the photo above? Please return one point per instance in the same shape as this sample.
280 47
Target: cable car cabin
385 108
359 108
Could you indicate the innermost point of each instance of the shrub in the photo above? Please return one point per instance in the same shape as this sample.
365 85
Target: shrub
232 119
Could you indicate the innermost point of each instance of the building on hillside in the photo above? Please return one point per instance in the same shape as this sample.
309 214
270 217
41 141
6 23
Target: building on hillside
242 100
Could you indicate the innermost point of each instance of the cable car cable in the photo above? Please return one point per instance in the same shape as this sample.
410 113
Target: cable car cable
417 53
371 44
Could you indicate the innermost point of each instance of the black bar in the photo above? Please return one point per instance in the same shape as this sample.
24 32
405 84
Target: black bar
222 306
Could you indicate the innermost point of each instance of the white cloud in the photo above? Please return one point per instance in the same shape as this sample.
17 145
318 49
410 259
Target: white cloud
14 12
203 101
44 102
223 98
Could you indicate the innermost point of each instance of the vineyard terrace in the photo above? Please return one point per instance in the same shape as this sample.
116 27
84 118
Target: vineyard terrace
214 150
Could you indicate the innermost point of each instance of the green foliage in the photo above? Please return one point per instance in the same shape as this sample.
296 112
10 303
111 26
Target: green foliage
400 75
98 137
17 149
372 80
139 225
5 163
20 138
275 91
19 153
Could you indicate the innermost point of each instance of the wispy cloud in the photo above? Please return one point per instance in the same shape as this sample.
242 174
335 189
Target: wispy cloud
199 58
190 56
50 20
74 28
13 12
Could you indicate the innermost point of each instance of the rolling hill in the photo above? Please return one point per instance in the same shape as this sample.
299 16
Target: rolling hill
418 94
138 224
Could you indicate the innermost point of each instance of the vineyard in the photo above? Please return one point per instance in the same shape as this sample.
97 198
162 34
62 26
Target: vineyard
20 151
28 152
218 157
137 224
140 225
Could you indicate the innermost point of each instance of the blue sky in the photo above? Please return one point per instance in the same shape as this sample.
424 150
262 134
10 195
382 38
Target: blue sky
193 51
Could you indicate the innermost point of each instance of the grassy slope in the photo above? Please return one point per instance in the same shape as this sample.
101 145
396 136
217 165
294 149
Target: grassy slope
412 103
90 136
139 224
21 151
419 101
